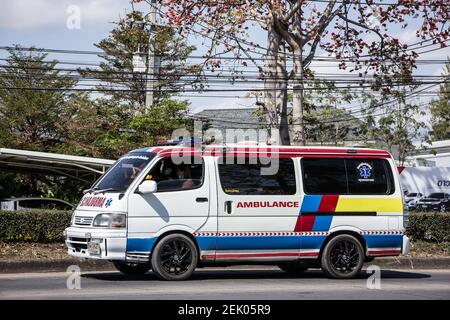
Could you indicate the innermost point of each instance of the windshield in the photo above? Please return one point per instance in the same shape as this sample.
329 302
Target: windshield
124 171
436 195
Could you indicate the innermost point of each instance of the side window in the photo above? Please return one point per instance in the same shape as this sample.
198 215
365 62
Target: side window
32 204
369 176
347 176
251 178
324 176
175 177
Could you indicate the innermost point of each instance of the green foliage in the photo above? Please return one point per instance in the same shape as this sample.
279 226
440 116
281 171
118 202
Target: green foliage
130 36
33 226
431 227
108 126
393 122
440 111
33 119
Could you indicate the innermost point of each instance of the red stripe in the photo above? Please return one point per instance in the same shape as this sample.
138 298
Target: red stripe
261 255
384 252
328 203
304 223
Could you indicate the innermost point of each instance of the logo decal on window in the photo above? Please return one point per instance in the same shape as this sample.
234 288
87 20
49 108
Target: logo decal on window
365 171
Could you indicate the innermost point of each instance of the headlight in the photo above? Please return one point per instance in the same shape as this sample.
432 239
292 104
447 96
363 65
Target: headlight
110 220
72 219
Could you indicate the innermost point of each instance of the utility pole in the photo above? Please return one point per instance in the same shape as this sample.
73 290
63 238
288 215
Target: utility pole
152 60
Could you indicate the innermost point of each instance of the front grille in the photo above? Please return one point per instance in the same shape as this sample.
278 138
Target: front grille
83 221
77 244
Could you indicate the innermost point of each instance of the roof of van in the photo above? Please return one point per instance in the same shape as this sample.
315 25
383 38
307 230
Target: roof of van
291 151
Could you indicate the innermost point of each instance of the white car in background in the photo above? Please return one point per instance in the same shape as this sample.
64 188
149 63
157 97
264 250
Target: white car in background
14 204
412 198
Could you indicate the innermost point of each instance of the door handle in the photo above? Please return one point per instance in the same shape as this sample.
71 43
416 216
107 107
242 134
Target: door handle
228 207
201 199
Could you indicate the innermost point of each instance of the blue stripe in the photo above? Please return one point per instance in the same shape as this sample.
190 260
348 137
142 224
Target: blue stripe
140 244
312 242
383 241
268 242
206 243
310 203
322 223
142 149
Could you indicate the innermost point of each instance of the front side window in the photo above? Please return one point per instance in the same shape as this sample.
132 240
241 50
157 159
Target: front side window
347 176
252 179
123 173
171 176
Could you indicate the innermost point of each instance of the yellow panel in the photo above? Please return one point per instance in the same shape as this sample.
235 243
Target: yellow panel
369 204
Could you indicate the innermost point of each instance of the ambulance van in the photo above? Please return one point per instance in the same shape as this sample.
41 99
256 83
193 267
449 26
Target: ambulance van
172 209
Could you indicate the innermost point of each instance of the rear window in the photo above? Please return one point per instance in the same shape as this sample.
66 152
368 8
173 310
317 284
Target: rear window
347 176
250 179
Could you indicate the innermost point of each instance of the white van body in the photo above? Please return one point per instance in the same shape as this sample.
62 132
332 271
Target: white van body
228 224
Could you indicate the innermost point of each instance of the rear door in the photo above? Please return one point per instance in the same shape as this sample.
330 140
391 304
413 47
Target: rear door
258 204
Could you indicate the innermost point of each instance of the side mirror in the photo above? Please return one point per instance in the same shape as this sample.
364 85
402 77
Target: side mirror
148 186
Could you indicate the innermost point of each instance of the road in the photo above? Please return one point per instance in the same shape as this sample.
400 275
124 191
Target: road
234 283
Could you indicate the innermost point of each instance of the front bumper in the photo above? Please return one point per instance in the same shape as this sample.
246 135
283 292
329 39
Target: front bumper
111 244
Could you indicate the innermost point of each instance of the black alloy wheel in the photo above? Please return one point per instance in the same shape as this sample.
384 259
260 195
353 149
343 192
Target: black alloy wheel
174 257
343 257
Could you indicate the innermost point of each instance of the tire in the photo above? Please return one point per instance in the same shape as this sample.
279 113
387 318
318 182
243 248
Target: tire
175 257
335 260
130 268
292 267
442 208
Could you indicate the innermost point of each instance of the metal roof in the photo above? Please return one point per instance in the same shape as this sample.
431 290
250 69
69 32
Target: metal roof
43 163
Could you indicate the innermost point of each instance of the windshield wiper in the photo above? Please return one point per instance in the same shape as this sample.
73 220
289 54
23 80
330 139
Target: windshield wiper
89 190
104 190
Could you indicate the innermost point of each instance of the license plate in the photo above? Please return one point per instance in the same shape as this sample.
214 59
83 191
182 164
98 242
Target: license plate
424 207
93 247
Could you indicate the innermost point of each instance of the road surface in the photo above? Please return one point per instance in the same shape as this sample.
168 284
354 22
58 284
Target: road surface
234 283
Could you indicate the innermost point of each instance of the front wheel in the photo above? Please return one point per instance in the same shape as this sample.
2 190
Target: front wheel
132 268
174 257
343 257
442 208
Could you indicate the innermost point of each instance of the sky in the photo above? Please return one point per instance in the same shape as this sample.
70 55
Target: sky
48 24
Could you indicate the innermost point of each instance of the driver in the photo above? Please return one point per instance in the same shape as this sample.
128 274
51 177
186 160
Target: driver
184 173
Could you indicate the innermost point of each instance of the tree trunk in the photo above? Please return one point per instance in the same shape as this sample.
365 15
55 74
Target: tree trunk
281 101
270 85
298 134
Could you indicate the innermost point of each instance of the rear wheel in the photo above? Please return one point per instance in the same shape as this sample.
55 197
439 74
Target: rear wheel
174 257
343 257
292 267
132 268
